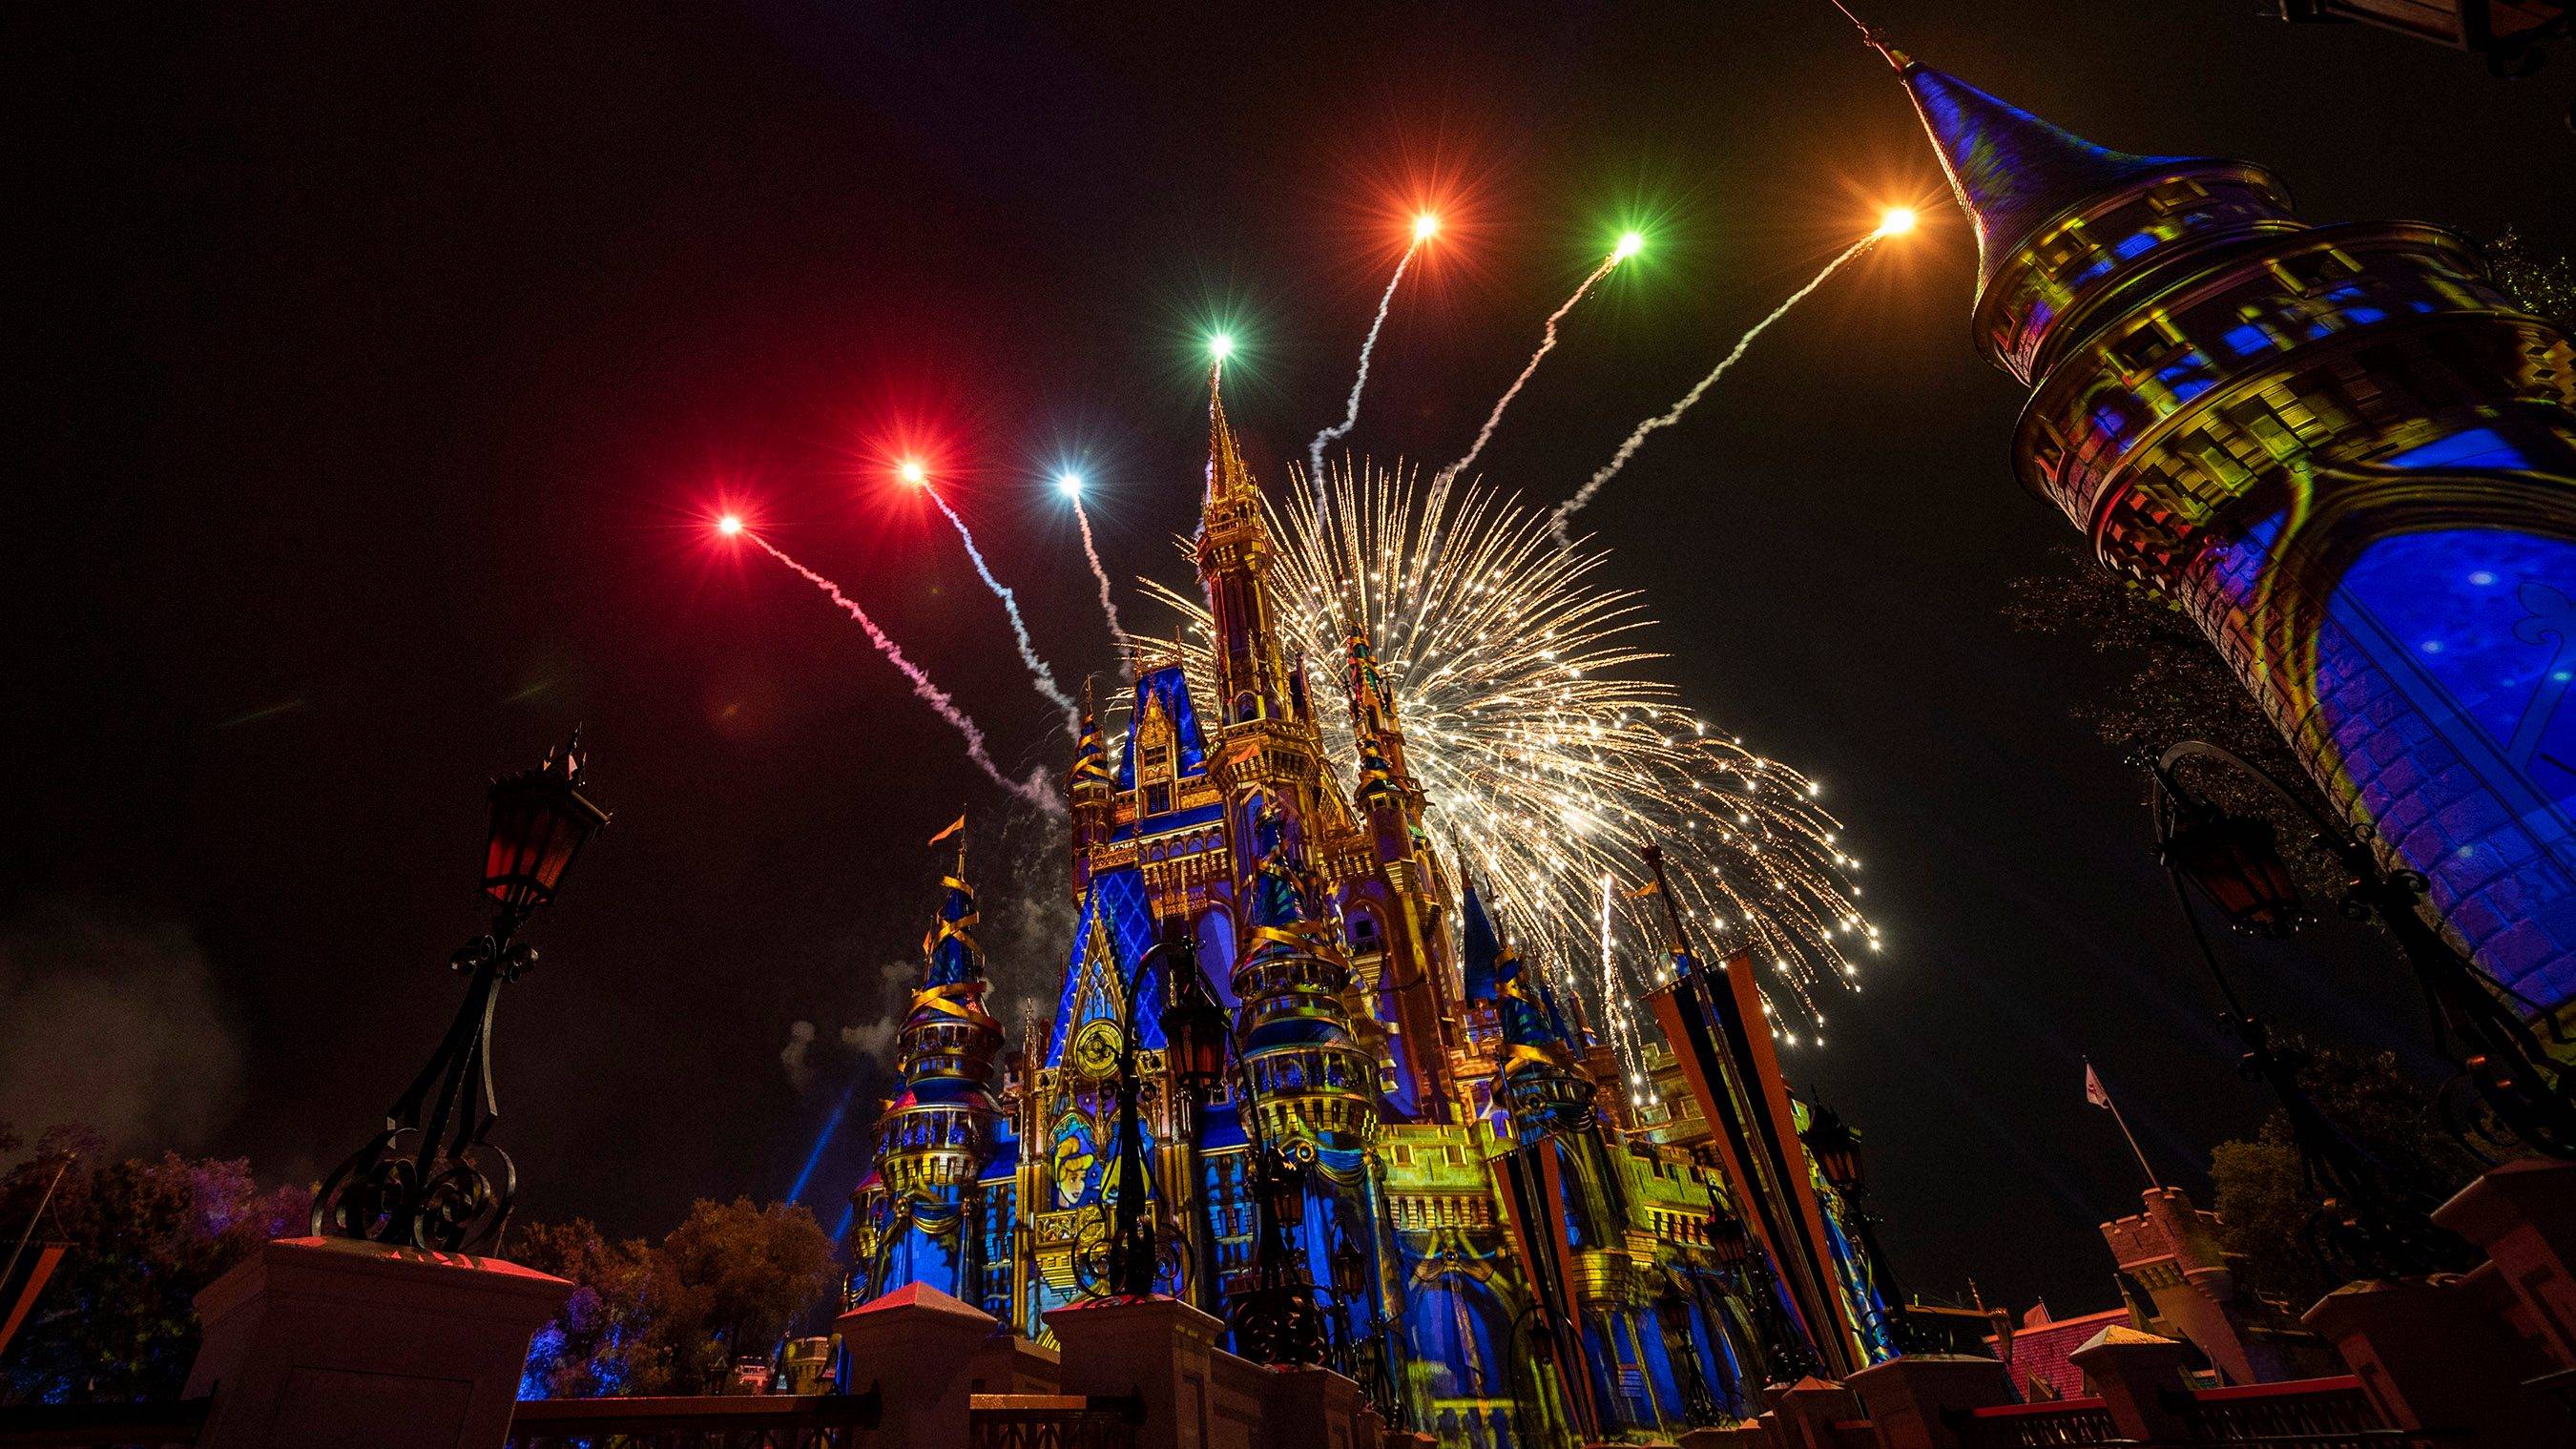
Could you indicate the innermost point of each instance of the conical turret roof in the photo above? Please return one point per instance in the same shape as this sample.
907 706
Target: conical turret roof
2011 170
949 948
1228 476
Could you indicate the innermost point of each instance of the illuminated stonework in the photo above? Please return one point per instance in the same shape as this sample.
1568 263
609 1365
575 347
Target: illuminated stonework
2348 456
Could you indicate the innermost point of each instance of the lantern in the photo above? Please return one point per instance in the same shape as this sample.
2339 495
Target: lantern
539 821
1728 1240
1835 1147
1194 1026
1285 1186
2233 860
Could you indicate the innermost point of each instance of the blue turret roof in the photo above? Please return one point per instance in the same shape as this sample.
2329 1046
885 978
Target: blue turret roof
1481 949
950 947
2010 170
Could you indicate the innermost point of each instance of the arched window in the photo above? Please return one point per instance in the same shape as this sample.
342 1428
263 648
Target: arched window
1367 936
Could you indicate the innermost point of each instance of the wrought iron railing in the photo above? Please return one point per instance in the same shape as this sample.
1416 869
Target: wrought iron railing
1052 1421
726 1421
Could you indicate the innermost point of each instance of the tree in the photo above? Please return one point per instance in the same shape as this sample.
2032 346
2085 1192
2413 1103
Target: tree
2176 688
672 1317
591 1349
2543 286
2262 1197
118 1320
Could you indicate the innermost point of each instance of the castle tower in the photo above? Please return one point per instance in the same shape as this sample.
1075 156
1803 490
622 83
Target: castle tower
935 1136
2342 451
1401 913
1090 791
1270 748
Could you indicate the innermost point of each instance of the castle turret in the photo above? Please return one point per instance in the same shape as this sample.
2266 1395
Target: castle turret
1542 1091
1401 916
935 1136
1091 791
2342 451
1314 1088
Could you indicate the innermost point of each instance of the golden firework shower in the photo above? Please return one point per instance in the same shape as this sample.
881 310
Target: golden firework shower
1551 754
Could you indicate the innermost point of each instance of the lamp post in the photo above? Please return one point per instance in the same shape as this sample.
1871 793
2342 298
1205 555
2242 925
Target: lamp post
1531 1353
2367 1221
1785 1355
1275 1320
1836 1150
1672 1315
428 1180
1187 1047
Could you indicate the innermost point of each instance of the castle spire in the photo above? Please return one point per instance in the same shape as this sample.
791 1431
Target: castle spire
2010 170
1229 478
1374 726
1090 756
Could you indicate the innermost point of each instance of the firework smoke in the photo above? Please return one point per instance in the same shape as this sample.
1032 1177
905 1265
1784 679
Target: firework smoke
1034 789
1556 522
1100 575
1351 411
1546 345
1042 676
1550 757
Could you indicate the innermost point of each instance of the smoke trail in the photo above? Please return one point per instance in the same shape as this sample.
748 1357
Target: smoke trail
1351 411
1547 344
1033 789
1038 671
1100 574
1637 439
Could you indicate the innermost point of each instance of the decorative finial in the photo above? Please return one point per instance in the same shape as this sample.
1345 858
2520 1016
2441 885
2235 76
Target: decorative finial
1873 37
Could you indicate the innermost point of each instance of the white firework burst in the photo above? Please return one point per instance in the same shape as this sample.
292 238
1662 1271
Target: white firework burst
1551 755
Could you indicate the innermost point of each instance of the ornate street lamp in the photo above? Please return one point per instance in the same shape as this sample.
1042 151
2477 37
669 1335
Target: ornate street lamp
1275 1319
1131 1234
1195 1033
1836 1150
2525 1093
1672 1316
429 1179
2368 1222
1785 1354
2234 861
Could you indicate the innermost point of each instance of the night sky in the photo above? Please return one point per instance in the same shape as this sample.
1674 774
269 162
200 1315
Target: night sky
386 366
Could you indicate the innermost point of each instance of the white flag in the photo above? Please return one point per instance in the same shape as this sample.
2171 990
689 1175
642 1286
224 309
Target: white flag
2094 1091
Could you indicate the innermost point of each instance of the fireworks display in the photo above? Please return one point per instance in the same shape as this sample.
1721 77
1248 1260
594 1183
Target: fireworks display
1630 243
1039 674
1551 754
1898 220
1070 485
1036 789
1425 227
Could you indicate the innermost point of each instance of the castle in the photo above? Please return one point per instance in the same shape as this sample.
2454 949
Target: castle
1415 1146
2337 447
